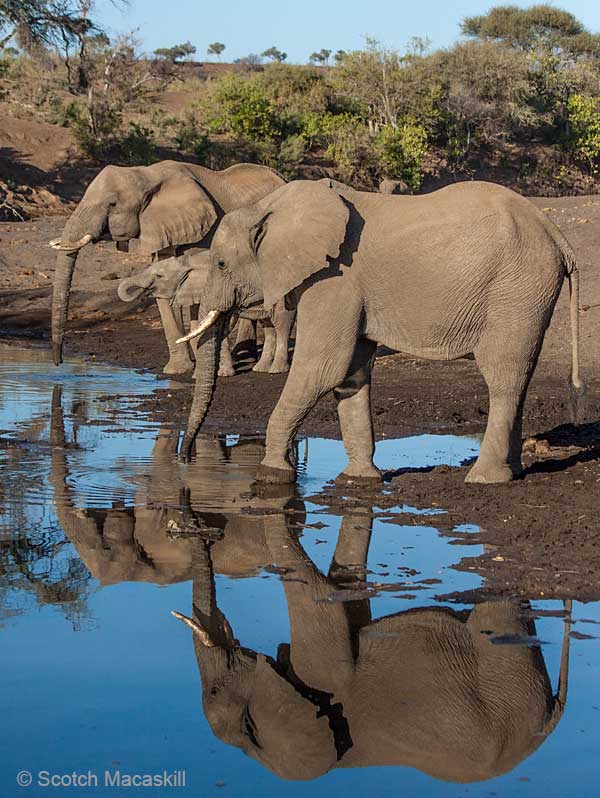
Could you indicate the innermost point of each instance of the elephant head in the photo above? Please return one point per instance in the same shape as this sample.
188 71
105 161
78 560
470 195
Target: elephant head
259 255
163 205
164 279
461 696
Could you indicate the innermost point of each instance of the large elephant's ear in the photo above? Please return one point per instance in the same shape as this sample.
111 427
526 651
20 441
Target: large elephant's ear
295 739
179 212
302 225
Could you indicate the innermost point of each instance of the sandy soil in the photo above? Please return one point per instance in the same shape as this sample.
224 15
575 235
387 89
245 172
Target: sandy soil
540 532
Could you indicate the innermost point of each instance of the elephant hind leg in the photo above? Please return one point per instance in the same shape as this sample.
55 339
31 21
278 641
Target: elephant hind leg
283 321
507 380
269 346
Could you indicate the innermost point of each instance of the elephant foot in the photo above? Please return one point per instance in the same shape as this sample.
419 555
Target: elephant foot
261 368
367 475
489 475
279 368
275 476
178 366
225 371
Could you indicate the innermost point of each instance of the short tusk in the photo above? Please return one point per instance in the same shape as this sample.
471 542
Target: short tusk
204 325
57 243
200 633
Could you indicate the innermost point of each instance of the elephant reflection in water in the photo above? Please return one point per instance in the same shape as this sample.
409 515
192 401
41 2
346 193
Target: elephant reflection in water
145 543
427 688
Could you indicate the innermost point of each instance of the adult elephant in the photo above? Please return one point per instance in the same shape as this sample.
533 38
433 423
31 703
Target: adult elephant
166 205
462 696
182 281
472 268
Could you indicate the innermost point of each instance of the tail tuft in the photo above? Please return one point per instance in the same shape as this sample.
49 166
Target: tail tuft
577 400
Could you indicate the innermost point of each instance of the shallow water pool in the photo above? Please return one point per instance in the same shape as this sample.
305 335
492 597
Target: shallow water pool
319 658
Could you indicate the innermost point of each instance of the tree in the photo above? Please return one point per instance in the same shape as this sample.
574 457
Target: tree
38 23
321 57
177 52
274 54
541 26
251 62
339 56
216 48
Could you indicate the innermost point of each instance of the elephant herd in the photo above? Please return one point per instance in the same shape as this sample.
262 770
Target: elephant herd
471 269
432 687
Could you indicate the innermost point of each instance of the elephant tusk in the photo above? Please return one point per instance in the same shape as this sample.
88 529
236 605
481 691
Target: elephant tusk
204 325
200 633
57 243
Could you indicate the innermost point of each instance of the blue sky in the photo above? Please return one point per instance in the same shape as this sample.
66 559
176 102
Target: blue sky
301 26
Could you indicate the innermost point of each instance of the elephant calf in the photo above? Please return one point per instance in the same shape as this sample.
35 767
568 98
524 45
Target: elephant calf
472 268
182 282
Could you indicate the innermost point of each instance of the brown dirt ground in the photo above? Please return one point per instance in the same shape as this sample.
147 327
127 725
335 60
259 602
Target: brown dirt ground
540 532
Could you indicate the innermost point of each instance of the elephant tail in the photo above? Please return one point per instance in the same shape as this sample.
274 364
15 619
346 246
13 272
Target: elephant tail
560 699
577 388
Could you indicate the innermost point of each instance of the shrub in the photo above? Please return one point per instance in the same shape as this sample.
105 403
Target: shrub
188 137
137 146
402 151
349 145
95 130
584 139
291 154
237 105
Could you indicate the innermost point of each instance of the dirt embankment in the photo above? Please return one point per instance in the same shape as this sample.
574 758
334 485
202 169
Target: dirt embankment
540 532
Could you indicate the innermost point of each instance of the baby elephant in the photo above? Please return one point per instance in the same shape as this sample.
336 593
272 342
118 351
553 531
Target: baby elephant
182 280
472 268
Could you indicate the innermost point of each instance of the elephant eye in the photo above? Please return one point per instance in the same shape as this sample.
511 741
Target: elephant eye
221 263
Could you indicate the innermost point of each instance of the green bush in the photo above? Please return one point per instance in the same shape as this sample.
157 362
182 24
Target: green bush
96 131
137 146
402 151
292 152
350 146
237 105
584 120
188 137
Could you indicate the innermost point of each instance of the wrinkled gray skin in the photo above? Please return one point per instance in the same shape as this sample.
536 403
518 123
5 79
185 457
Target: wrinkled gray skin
182 281
472 268
425 688
164 206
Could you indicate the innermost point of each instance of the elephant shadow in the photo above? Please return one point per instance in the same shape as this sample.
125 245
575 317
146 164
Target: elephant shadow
585 438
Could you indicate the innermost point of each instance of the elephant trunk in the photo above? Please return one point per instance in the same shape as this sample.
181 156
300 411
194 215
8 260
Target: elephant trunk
85 225
63 275
133 287
207 364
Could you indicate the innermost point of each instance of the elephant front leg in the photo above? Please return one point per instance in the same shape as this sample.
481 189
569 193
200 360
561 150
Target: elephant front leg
324 352
180 361
353 396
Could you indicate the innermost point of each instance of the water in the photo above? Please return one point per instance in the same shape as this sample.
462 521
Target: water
335 666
